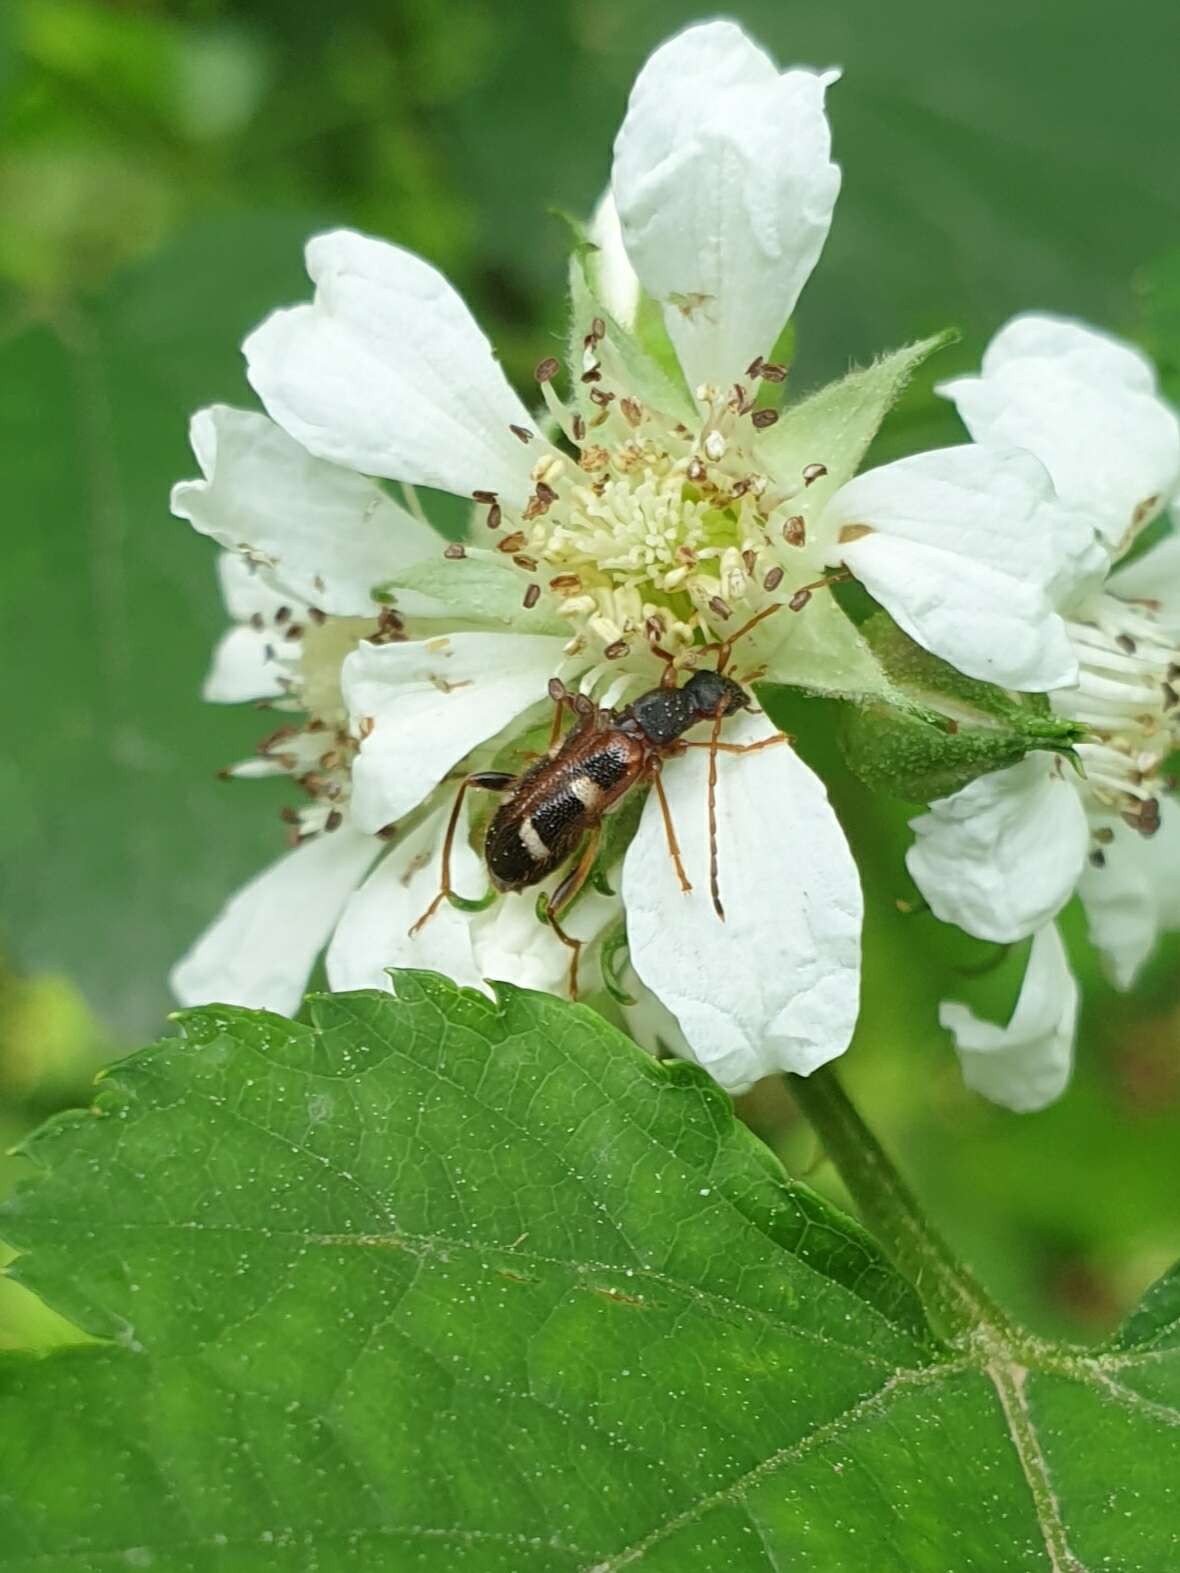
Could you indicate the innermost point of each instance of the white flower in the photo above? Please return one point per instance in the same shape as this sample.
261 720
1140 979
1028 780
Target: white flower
1003 856
648 507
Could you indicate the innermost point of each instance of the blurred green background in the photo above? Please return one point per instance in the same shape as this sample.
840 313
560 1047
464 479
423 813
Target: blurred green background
160 165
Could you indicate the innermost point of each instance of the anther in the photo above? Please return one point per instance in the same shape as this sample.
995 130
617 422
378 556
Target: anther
455 551
749 561
795 531
1098 858
771 371
257 622
799 600
565 581
511 543
754 369
813 472
522 432
283 614
773 579
334 820
614 651
696 470
632 411
317 616
1105 835
594 374
294 632
546 493
579 428
718 607
529 564
532 595
494 516
764 418
598 329
547 369
485 497
1125 642
601 396
714 446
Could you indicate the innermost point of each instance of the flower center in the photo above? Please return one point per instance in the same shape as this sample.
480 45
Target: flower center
1127 695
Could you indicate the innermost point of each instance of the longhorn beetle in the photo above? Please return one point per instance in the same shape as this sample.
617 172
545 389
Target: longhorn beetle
561 800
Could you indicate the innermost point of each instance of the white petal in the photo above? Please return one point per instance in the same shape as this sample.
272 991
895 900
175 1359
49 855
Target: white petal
775 986
260 949
388 373
1086 405
326 535
431 703
1026 1064
1155 576
725 187
959 551
373 933
244 667
1135 896
618 284
1002 857
247 588
506 942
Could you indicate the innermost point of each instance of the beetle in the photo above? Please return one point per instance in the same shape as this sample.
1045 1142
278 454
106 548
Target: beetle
559 802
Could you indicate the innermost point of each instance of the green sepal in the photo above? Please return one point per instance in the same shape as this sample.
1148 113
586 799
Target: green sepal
473 903
614 943
950 728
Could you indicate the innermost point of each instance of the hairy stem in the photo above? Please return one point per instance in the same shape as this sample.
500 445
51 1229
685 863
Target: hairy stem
956 1302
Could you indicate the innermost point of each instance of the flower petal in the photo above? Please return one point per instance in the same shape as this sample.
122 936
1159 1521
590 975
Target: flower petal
955 544
1135 896
326 535
1087 406
1002 857
243 668
431 702
1026 1064
387 373
725 187
260 949
1155 576
373 933
775 986
618 283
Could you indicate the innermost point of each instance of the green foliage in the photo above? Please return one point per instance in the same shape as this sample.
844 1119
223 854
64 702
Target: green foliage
479 1285
950 729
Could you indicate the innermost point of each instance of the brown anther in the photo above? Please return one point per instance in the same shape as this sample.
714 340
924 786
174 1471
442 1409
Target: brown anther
546 370
283 615
494 516
317 616
529 564
565 581
593 458
1105 835
316 724
614 651
813 472
1125 642
224 774
601 396
773 579
334 820
1098 858
772 372
1144 510
598 329
854 532
654 629
799 600
749 561
365 728
294 632
289 815
256 621
696 469
754 369
532 595
764 418
594 374
387 833
579 428
718 607
545 493
511 543
794 530
632 411
330 760
740 488
454 551
685 554
522 432
486 497
1171 697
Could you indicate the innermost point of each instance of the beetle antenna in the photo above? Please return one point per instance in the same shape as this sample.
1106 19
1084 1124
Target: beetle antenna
724 647
714 885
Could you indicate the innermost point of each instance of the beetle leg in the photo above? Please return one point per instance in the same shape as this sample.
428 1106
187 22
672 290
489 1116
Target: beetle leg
564 895
669 827
741 748
487 781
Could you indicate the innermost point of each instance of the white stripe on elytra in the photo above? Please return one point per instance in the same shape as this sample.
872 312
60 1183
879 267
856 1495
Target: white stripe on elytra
533 844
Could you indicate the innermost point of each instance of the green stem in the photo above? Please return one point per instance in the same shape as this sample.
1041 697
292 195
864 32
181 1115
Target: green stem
957 1303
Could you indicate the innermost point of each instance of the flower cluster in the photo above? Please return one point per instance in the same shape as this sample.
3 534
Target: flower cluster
662 511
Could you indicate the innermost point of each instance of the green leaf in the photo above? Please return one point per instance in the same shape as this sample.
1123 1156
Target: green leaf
947 729
835 425
111 611
457 1283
